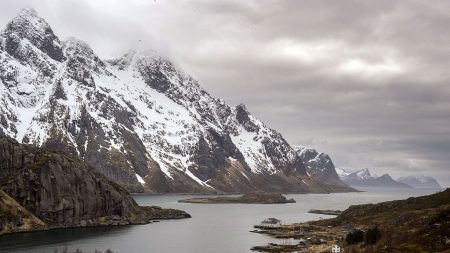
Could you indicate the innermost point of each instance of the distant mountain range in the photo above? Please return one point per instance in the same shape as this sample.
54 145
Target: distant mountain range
420 181
141 121
363 178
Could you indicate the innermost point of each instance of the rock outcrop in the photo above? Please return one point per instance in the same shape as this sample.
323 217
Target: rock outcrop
62 191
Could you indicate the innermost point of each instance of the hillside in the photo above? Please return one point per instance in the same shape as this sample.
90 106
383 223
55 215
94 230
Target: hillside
14 217
420 224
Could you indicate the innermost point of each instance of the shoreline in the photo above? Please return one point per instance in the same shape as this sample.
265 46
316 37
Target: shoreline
147 215
231 193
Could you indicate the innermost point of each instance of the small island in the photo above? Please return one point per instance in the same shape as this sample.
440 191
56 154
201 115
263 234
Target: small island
250 198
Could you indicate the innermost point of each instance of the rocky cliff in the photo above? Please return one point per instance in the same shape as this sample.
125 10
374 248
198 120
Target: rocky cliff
61 191
137 119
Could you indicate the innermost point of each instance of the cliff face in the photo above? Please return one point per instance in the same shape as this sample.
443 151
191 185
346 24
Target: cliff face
62 191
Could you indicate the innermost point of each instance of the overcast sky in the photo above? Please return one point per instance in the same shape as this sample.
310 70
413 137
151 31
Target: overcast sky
365 81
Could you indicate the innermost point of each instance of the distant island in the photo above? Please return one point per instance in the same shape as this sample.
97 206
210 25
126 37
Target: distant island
250 198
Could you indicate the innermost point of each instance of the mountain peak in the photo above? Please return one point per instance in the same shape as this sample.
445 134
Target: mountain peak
28 20
73 45
28 12
243 117
387 176
28 26
363 174
146 57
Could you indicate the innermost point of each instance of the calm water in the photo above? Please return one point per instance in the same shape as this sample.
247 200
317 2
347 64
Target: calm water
212 228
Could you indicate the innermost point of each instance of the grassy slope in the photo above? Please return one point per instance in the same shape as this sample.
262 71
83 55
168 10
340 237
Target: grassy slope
14 217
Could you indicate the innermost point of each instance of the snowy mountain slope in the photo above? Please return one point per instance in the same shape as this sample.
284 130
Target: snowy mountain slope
420 182
365 179
319 165
137 119
342 172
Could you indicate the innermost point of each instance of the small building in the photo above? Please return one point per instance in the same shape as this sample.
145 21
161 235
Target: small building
336 249
271 222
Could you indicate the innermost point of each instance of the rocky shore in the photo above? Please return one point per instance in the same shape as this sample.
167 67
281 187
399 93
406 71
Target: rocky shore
302 237
250 198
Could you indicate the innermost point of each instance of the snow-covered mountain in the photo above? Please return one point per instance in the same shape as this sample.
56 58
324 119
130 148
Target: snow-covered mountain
365 179
137 119
420 182
319 165
342 172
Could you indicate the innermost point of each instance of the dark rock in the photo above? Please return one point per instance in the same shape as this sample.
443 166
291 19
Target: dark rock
64 192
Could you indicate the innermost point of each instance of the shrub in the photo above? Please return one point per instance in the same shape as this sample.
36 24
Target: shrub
372 236
355 237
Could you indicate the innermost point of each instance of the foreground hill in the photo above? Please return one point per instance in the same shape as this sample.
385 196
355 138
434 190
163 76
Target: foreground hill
137 119
420 224
42 189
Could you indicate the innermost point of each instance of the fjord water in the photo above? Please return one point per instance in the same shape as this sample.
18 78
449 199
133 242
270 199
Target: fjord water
212 228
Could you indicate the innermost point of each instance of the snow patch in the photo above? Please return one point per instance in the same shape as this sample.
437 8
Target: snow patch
140 179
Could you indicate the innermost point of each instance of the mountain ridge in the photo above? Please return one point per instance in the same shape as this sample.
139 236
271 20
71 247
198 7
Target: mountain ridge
363 178
137 119
420 181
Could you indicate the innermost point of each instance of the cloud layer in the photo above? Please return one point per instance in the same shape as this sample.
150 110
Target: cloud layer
365 81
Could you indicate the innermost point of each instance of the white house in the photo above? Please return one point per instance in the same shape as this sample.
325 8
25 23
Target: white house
336 249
